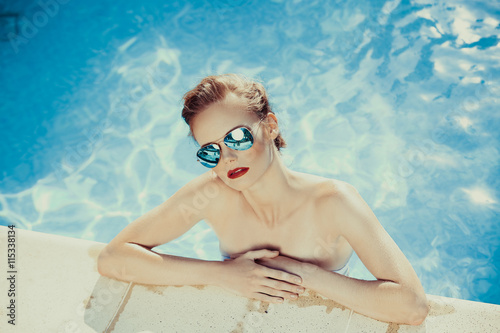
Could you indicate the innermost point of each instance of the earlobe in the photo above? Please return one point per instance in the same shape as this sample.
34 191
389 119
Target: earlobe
274 133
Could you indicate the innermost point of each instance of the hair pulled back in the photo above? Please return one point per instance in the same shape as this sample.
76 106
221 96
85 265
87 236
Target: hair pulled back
214 88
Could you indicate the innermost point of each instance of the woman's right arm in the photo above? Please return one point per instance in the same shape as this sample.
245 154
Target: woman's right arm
129 257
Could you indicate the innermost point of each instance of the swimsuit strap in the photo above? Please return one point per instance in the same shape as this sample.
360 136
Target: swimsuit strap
345 269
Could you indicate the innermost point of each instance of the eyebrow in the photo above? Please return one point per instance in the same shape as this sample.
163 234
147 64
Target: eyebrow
222 137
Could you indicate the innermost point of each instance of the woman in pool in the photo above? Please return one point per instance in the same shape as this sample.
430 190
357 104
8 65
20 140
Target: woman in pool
282 230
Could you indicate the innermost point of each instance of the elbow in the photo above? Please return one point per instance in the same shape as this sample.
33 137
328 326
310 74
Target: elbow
103 263
419 310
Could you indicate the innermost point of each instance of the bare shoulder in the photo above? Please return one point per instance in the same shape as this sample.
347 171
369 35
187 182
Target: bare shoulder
205 179
331 196
349 214
326 188
175 216
209 191
336 189
339 202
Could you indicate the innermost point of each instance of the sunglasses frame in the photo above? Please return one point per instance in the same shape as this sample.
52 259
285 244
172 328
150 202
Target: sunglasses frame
223 139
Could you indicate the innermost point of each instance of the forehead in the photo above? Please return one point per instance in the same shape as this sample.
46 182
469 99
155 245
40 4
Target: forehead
215 121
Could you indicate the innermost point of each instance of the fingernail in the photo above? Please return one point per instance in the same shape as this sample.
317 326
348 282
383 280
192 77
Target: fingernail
298 280
294 296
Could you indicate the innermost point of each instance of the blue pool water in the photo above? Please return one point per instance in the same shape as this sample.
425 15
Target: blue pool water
398 98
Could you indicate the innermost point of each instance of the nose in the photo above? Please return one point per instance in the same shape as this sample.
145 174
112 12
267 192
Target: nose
228 155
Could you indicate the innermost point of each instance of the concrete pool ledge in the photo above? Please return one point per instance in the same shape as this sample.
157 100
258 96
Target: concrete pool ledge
58 289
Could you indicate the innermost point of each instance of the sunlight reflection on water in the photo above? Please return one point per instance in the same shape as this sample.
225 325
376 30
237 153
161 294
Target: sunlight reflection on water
398 100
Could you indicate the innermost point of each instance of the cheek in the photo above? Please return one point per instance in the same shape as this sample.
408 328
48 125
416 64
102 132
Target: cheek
258 154
253 154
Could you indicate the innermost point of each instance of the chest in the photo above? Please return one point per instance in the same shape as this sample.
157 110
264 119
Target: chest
303 235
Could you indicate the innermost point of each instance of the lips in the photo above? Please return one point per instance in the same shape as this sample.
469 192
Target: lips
235 173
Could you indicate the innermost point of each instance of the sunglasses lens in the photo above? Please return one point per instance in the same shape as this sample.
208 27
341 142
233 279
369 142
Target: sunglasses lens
239 139
209 155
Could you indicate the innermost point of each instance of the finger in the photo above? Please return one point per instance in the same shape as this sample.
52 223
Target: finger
281 293
268 298
281 275
264 253
283 286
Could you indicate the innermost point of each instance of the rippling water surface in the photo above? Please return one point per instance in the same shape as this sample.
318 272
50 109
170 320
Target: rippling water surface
398 98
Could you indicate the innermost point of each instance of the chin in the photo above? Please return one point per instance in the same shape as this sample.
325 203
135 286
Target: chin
239 184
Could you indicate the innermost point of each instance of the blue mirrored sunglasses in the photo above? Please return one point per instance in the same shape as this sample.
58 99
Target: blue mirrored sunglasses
238 139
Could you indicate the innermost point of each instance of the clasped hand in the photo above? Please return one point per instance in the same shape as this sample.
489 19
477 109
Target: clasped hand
264 275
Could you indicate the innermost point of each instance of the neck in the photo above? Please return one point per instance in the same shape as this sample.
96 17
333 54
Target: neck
271 197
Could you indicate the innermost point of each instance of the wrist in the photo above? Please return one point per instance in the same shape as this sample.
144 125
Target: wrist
308 273
219 273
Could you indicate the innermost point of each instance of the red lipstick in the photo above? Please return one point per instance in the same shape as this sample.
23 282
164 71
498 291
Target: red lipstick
235 173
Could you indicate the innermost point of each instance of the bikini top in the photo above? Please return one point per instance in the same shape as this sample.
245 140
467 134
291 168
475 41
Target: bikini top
343 271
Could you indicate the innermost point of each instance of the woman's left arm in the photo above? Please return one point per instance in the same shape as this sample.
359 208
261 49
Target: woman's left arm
396 296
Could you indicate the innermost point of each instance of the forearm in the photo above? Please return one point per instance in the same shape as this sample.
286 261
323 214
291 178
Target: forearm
132 262
382 300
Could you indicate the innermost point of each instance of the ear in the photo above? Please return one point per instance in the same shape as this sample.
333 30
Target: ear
272 129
